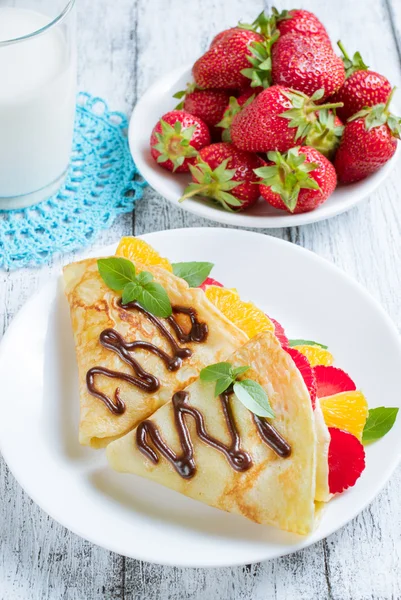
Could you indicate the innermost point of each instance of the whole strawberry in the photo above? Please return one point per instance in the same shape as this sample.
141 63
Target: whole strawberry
208 105
297 181
176 139
361 88
277 119
222 65
226 174
299 21
369 141
307 63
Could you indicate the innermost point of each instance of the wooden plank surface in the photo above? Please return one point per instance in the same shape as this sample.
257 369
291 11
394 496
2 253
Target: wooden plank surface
123 46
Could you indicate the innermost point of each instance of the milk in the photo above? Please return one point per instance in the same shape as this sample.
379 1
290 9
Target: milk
37 106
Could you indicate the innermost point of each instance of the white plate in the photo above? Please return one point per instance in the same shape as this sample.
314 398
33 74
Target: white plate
157 101
39 406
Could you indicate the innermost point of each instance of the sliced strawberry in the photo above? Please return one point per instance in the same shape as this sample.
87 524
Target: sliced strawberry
210 281
279 332
346 460
331 380
306 371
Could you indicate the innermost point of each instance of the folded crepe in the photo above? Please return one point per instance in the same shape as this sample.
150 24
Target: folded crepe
216 451
131 363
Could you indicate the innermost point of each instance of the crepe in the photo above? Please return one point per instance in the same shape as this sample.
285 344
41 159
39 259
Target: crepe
274 489
96 309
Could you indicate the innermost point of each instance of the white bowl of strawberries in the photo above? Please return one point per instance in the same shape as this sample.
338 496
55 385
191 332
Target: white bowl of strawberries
273 128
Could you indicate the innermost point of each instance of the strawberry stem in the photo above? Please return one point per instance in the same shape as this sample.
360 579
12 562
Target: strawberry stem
344 52
194 193
389 99
329 105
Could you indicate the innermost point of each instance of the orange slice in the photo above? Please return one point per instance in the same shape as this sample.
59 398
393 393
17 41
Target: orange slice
347 411
316 355
244 315
140 252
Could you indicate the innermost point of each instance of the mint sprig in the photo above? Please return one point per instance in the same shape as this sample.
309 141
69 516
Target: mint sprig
248 391
301 342
194 273
379 422
119 274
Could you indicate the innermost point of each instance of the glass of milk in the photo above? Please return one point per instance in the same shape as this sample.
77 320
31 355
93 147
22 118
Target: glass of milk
37 98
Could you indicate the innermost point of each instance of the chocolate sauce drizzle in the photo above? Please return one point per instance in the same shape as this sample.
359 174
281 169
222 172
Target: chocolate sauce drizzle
184 463
112 340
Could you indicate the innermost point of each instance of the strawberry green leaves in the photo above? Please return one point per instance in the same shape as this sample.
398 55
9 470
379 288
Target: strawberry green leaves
119 274
194 273
173 143
249 392
214 183
288 175
378 115
354 64
380 421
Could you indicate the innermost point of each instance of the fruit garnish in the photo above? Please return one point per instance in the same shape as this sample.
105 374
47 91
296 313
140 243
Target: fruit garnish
244 315
280 333
316 355
331 380
306 371
142 253
347 411
346 460
210 281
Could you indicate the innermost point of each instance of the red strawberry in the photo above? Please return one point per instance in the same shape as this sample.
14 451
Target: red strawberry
346 460
276 120
331 380
221 65
176 139
306 371
220 36
297 181
369 141
307 64
280 333
361 88
226 174
299 21
210 281
208 105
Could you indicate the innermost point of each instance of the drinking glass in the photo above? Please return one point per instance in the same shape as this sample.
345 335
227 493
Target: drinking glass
37 98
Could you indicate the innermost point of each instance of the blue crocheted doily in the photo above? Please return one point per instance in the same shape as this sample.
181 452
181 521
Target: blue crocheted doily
102 183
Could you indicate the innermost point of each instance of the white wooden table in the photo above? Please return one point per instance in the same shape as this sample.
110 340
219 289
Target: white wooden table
123 46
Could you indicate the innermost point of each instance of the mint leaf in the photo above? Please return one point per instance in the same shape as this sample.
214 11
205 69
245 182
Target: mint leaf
380 421
238 371
216 371
144 277
153 298
116 272
222 384
306 343
131 292
194 273
253 397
